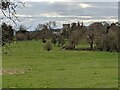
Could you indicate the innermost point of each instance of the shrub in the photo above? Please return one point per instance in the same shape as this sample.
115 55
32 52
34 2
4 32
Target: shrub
48 46
61 41
44 40
53 40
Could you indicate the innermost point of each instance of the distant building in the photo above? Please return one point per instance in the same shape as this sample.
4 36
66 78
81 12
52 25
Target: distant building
66 26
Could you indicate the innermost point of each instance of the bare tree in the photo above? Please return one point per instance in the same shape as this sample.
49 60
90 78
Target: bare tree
50 24
40 27
8 9
93 31
43 32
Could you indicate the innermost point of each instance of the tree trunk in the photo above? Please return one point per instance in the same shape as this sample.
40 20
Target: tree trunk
91 46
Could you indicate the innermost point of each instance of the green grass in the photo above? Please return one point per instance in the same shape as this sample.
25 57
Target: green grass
59 68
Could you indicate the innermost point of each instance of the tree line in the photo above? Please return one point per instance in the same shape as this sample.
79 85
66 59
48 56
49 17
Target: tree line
101 36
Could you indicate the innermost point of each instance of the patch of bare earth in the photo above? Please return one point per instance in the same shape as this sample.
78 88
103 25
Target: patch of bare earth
14 71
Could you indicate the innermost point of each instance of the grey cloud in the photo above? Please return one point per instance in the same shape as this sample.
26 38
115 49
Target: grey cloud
69 11
99 8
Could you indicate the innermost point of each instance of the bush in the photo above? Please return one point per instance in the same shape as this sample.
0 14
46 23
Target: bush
44 40
53 40
61 41
48 46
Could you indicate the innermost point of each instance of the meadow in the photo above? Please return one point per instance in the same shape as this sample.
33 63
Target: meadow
29 65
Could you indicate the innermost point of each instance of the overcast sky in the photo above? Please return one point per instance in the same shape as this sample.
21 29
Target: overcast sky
67 11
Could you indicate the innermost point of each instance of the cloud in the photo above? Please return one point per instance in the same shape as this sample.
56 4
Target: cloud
49 14
84 5
50 1
69 1
23 16
70 9
65 12
28 5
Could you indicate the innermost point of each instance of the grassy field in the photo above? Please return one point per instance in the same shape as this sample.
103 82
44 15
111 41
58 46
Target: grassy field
29 65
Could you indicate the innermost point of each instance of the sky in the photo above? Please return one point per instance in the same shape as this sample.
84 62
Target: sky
69 0
67 11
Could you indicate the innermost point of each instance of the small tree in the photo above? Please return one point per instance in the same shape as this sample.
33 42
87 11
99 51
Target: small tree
48 46
74 39
61 41
7 33
53 40
43 39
